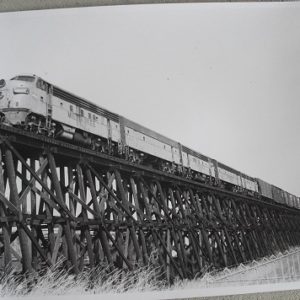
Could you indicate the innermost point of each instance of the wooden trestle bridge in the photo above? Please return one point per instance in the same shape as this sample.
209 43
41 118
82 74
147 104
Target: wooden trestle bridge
63 202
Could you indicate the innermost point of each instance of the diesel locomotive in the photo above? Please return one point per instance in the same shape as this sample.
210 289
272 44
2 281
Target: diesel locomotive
31 103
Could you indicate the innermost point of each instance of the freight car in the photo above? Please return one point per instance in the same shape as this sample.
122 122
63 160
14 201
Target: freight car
33 104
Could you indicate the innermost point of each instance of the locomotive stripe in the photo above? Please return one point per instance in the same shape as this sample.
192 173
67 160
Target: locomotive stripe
57 92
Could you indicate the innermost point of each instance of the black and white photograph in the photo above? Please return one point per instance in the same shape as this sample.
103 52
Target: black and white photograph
149 149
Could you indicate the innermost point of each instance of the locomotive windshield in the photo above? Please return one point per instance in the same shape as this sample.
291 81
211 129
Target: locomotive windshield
24 78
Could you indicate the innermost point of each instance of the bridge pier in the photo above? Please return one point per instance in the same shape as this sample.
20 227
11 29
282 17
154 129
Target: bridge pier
60 202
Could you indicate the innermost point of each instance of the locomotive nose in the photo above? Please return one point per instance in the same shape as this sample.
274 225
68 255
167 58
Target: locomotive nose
2 83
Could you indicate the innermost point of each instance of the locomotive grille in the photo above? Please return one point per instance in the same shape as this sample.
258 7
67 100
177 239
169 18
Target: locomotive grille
57 92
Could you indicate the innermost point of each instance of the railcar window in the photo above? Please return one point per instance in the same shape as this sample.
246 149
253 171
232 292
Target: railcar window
90 115
81 113
71 108
24 78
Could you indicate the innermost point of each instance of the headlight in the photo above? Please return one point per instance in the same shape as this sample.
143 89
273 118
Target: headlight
21 90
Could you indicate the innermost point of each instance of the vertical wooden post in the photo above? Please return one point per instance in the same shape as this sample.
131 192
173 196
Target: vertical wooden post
102 235
168 258
66 226
24 205
49 211
71 187
141 233
5 226
33 206
125 203
85 228
9 162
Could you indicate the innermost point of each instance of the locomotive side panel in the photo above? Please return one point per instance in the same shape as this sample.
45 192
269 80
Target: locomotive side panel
176 155
102 126
147 144
60 112
277 195
251 185
89 117
292 200
185 160
197 161
284 197
199 165
243 181
79 118
265 188
38 102
143 139
212 168
296 202
287 198
228 176
115 131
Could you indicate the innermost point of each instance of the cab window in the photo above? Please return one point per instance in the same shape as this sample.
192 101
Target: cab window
24 78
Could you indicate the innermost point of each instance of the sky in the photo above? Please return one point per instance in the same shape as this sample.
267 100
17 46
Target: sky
221 78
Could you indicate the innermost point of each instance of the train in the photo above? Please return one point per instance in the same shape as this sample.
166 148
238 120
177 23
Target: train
29 102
